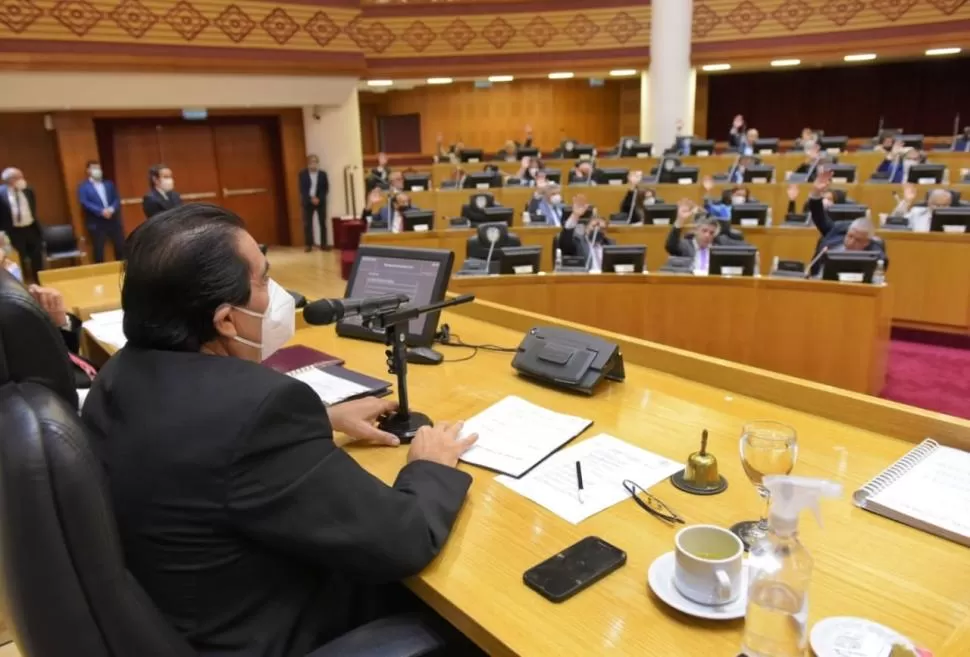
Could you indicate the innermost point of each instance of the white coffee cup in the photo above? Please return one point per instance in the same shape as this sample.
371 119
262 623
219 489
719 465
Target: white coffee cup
708 565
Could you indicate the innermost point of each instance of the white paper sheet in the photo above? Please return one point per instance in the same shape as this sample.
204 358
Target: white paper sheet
331 389
107 327
606 462
514 435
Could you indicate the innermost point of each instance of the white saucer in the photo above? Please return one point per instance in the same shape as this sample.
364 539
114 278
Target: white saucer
847 636
661 580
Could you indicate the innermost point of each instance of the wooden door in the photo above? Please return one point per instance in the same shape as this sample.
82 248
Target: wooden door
189 151
247 177
134 151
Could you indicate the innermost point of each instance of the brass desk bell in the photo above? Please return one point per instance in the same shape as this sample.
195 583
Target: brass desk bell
700 475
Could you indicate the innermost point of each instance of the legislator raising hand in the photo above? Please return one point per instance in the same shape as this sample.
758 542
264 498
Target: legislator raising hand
793 192
357 418
580 205
707 183
440 444
909 193
685 212
822 181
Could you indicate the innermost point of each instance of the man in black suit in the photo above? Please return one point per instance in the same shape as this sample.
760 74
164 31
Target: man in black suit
381 172
161 195
314 188
814 158
584 238
696 245
858 235
253 532
18 218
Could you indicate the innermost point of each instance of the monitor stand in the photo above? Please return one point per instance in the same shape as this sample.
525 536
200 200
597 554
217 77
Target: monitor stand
424 356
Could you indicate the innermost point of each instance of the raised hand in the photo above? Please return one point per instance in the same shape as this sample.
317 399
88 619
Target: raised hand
793 192
909 193
707 183
634 177
685 212
822 181
376 197
738 122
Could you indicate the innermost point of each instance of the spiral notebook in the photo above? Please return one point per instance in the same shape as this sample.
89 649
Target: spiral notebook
928 489
335 384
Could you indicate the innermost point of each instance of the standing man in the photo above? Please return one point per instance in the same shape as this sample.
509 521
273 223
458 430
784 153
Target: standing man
18 218
102 211
313 192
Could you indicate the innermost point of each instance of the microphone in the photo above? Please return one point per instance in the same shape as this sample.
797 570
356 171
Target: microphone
808 270
328 311
592 245
492 234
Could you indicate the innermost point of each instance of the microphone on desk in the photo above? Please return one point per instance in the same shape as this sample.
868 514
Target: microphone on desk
328 311
808 270
592 245
492 234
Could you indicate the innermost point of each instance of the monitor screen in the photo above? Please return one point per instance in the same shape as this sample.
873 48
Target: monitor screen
421 274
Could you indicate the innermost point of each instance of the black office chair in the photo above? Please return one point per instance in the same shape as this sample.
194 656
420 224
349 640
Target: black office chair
32 349
478 244
63 573
60 243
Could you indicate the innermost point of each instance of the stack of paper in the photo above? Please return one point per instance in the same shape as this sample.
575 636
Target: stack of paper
331 389
107 328
514 435
606 462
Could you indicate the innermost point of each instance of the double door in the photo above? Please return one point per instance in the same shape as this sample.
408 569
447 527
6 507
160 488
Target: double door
233 163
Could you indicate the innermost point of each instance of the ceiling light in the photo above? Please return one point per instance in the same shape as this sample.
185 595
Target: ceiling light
786 62
500 78
943 51
565 75
379 83
863 57
439 80
623 72
710 68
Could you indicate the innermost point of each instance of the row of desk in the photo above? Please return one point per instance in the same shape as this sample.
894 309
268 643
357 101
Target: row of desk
929 273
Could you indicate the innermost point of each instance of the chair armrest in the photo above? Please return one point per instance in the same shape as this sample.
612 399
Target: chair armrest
405 635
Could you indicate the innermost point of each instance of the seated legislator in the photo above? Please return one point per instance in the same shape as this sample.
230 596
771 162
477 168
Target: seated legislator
736 173
582 174
508 152
857 235
441 152
895 168
961 144
887 144
696 245
741 139
549 209
390 209
637 198
829 198
161 194
806 136
721 207
920 215
252 531
681 145
381 172
584 238
814 157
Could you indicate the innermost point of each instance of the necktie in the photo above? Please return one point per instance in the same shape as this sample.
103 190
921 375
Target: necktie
20 208
83 365
704 259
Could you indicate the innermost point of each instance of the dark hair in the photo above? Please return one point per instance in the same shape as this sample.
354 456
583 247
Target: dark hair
154 172
90 162
182 265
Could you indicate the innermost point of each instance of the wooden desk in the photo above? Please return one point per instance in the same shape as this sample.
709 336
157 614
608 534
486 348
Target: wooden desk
780 325
53 277
90 294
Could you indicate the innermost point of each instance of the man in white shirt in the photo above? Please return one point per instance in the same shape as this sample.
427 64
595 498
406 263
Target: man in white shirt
314 187
18 218
919 217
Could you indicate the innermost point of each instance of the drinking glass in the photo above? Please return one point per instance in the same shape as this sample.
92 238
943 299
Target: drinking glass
767 448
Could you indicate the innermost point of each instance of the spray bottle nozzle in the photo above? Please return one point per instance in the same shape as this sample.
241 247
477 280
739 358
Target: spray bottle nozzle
791 495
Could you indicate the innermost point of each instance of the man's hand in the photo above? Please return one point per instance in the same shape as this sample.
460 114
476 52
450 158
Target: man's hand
909 193
580 205
356 419
440 444
52 302
707 183
822 181
106 213
634 177
738 122
685 212
314 200
793 192
376 197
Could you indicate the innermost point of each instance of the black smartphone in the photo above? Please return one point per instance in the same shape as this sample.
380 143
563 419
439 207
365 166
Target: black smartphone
563 575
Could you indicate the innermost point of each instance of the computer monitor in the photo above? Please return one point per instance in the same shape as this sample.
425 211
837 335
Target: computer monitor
624 258
702 147
833 144
734 260
850 266
553 175
678 175
417 182
847 211
842 173
611 176
926 174
759 173
526 151
421 274
766 145
471 155
418 221
749 214
582 151
951 220
911 141
519 259
499 213
796 219
659 214
482 180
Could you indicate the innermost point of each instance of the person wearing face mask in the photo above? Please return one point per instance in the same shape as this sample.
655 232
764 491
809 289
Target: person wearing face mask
161 194
696 245
247 525
857 235
314 188
814 158
582 174
549 209
920 215
101 207
895 168
584 238
18 219
736 173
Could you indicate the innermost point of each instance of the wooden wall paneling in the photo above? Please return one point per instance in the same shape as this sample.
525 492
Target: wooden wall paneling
371 106
701 104
293 143
25 143
629 107
134 150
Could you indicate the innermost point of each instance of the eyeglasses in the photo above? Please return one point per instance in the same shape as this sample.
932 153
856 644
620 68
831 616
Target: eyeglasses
651 504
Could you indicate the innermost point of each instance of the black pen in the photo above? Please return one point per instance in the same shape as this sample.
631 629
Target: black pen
579 482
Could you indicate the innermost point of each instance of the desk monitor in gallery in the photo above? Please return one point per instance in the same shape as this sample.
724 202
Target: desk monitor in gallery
624 258
750 214
734 260
519 259
421 274
850 266
417 182
951 220
418 221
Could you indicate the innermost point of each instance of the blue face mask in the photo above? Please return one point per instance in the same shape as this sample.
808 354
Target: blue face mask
14 270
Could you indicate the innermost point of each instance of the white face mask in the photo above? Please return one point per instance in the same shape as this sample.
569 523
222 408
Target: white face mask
166 184
738 200
96 173
279 322
650 200
556 199
533 171
21 184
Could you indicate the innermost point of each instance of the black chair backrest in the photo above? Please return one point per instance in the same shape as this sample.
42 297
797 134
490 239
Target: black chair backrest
31 347
59 238
64 579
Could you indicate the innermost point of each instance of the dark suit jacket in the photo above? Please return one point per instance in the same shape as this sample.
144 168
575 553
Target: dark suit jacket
323 187
573 244
6 214
92 205
374 173
239 515
576 179
154 203
833 233
680 245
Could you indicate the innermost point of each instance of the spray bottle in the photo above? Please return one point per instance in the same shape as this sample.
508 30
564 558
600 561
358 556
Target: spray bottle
779 570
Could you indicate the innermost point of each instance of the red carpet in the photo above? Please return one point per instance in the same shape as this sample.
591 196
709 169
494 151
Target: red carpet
930 376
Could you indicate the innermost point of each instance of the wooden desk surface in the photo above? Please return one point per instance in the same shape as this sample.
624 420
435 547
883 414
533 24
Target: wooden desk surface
91 294
865 565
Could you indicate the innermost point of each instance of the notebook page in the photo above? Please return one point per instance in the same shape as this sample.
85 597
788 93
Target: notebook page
936 491
331 389
514 435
